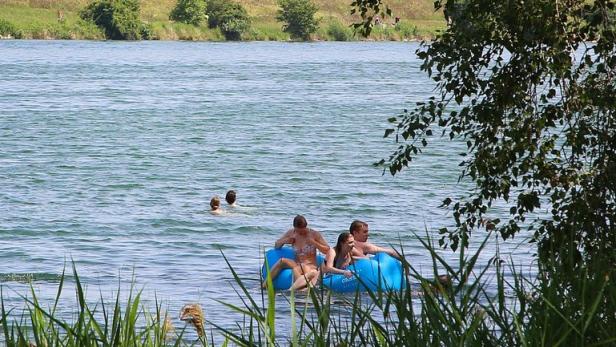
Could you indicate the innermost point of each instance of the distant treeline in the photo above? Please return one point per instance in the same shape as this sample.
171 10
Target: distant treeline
215 20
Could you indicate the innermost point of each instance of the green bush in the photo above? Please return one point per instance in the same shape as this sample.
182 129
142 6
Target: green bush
119 19
338 32
406 30
298 18
189 12
230 17
7 29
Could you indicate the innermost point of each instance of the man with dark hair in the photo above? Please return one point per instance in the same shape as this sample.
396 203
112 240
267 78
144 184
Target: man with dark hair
305 241
359 230
230 197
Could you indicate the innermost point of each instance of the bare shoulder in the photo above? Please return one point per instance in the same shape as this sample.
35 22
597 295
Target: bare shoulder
288 233
371 248
358 253
315 233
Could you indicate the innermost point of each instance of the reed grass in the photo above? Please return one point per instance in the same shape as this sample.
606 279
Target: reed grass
480 306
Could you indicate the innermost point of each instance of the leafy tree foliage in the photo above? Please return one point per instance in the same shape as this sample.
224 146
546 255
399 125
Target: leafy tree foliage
189 11
118 18
298 16
530 87
229 16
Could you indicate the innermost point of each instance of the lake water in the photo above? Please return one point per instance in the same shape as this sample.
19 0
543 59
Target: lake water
111 151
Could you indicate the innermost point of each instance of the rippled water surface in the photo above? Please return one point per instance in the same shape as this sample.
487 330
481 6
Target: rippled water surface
111 151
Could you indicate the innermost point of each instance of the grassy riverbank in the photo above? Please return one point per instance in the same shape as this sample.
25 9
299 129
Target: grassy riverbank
48 19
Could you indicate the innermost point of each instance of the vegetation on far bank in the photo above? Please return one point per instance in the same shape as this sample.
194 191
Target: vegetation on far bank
47 19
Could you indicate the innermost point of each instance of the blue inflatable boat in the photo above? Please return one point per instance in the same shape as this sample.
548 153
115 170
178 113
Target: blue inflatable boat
379 273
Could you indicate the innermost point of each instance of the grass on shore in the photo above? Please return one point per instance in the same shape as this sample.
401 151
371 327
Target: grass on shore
47 19
479 308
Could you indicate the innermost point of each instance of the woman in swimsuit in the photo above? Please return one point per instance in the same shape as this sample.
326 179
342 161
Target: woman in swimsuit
340 257
305 241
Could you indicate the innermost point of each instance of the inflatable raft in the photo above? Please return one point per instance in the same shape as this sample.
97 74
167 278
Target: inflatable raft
379 273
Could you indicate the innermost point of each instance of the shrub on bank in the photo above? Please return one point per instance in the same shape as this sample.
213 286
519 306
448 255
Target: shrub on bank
339 32
189 12
230 17
298 18
119 19
7 29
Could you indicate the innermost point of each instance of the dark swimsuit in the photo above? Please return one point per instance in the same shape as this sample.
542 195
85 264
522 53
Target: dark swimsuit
337 264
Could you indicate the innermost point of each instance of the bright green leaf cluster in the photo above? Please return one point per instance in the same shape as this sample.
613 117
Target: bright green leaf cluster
119 19
298 18
189 11
231 17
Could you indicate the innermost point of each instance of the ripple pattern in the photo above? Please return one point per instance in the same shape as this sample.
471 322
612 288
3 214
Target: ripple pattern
111 151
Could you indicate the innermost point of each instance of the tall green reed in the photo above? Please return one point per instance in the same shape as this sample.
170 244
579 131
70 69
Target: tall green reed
483 304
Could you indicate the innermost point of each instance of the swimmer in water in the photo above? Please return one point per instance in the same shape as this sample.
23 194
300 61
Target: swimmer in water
230 197
215 206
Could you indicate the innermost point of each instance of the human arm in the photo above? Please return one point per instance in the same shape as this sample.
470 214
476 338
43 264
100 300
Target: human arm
319 242
373 249
286 239
328 265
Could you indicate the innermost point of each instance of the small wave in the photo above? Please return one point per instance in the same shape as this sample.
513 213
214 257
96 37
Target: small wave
251 229
167 222
124 186
222 246
180 230
31 277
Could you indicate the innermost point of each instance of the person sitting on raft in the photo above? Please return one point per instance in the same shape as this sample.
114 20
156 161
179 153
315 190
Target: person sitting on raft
362 248
340 257
305 242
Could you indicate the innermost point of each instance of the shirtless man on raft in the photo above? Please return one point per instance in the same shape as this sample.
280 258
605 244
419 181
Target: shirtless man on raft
305 242
362 248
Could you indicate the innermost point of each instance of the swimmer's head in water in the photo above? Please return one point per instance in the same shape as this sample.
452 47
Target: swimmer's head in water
230 197
215 203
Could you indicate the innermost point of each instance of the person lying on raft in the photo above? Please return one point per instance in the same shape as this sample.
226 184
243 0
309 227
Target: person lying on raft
305 242
362 248
340 257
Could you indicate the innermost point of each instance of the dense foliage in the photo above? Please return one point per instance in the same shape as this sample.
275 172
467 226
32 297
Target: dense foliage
231 17
298 18
530 87
189 11
119 19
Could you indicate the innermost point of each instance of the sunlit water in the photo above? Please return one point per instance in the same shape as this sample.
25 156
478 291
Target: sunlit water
111 151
